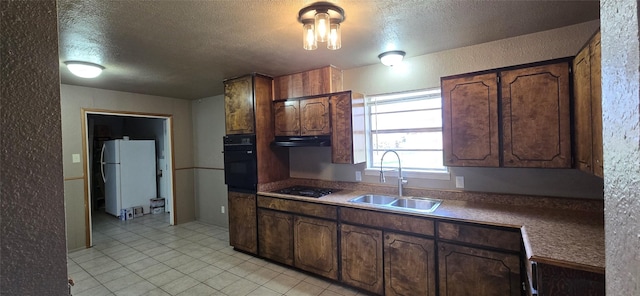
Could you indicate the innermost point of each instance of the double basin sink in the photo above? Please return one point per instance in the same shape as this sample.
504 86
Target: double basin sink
418 204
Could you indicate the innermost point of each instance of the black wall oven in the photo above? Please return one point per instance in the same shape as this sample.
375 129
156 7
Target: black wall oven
240 163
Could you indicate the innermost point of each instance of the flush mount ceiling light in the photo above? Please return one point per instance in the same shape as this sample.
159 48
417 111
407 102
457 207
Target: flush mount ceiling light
321 23
391 58
84 69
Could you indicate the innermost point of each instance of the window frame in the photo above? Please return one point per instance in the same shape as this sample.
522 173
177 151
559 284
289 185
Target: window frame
388 98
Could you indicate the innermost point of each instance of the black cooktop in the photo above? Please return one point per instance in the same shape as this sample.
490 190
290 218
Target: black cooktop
306 191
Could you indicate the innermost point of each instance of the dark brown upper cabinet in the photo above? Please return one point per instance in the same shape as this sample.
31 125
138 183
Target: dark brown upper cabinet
587 108
512 117
306 117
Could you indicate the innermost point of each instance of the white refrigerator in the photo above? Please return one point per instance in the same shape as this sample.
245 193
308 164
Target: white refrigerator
129 174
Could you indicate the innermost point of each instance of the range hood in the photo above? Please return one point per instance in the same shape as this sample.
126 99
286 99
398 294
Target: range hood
302 141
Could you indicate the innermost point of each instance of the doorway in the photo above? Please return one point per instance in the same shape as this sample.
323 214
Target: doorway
100 126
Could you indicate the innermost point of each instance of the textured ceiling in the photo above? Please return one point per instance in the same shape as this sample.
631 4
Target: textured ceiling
185 49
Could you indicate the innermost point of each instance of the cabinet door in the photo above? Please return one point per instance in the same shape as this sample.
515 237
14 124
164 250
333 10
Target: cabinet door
361 250
347 128
316 246
275 234
314 117
470 121
238 106
243 234
287 121
535 108
470 271
409 265
596 104
582 111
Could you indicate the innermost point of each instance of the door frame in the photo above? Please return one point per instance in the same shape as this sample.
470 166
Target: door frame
168 124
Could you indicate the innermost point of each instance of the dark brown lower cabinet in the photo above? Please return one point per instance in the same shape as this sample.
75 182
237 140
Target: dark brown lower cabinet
275 231
316 246
555 280
361 250
409 265
243 228
470 271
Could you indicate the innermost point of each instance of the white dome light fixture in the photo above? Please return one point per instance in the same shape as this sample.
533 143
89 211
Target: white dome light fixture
391 58
84 69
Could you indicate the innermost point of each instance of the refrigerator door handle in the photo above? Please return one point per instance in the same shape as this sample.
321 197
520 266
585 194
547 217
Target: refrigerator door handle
102 163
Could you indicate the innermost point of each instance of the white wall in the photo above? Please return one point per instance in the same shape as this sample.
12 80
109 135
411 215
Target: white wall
73 100
424 72
209 187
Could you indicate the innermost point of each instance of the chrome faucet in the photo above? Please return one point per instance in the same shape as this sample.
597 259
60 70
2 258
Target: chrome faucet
401 180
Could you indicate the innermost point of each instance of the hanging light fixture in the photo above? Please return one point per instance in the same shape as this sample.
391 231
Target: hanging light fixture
391 58
84 69
321 23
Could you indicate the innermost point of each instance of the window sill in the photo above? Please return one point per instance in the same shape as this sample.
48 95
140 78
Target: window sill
431 175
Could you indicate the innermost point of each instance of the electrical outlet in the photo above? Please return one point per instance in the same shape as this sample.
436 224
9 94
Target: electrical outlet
358 176
459 182
222 209
75 158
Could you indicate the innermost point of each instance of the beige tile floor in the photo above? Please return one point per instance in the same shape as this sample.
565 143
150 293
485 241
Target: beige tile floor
147 256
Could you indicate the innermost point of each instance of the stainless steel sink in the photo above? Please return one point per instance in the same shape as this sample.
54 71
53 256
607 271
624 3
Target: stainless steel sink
417 204
374 199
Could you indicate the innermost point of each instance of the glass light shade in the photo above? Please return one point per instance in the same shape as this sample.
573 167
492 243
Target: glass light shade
334 41
322 26
84 69
391 58
308 37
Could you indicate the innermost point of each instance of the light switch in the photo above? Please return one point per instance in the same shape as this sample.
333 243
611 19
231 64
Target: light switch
75 158
358 176
459 182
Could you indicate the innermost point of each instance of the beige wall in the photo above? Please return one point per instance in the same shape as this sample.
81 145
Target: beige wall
73 99
621 118
209 188
33 259
424 72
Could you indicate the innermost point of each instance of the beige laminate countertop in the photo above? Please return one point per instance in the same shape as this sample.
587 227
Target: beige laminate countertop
566 238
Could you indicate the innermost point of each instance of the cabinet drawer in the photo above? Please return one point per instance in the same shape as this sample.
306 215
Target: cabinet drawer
482 236
387 221
298 207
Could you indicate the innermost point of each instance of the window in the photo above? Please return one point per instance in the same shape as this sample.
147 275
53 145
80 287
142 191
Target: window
409 123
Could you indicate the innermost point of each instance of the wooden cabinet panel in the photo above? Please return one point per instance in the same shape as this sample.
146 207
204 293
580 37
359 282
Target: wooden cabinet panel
582 111
587 108
470 120
298 207
287 118
307 117
555 280
478 235
314 117
275 235
409 265
361 254
596 104
316 246
238 105
388 221
535 106
348 128
243 232
309 83
469 271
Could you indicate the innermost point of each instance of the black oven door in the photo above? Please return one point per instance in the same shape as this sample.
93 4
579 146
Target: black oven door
240 169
